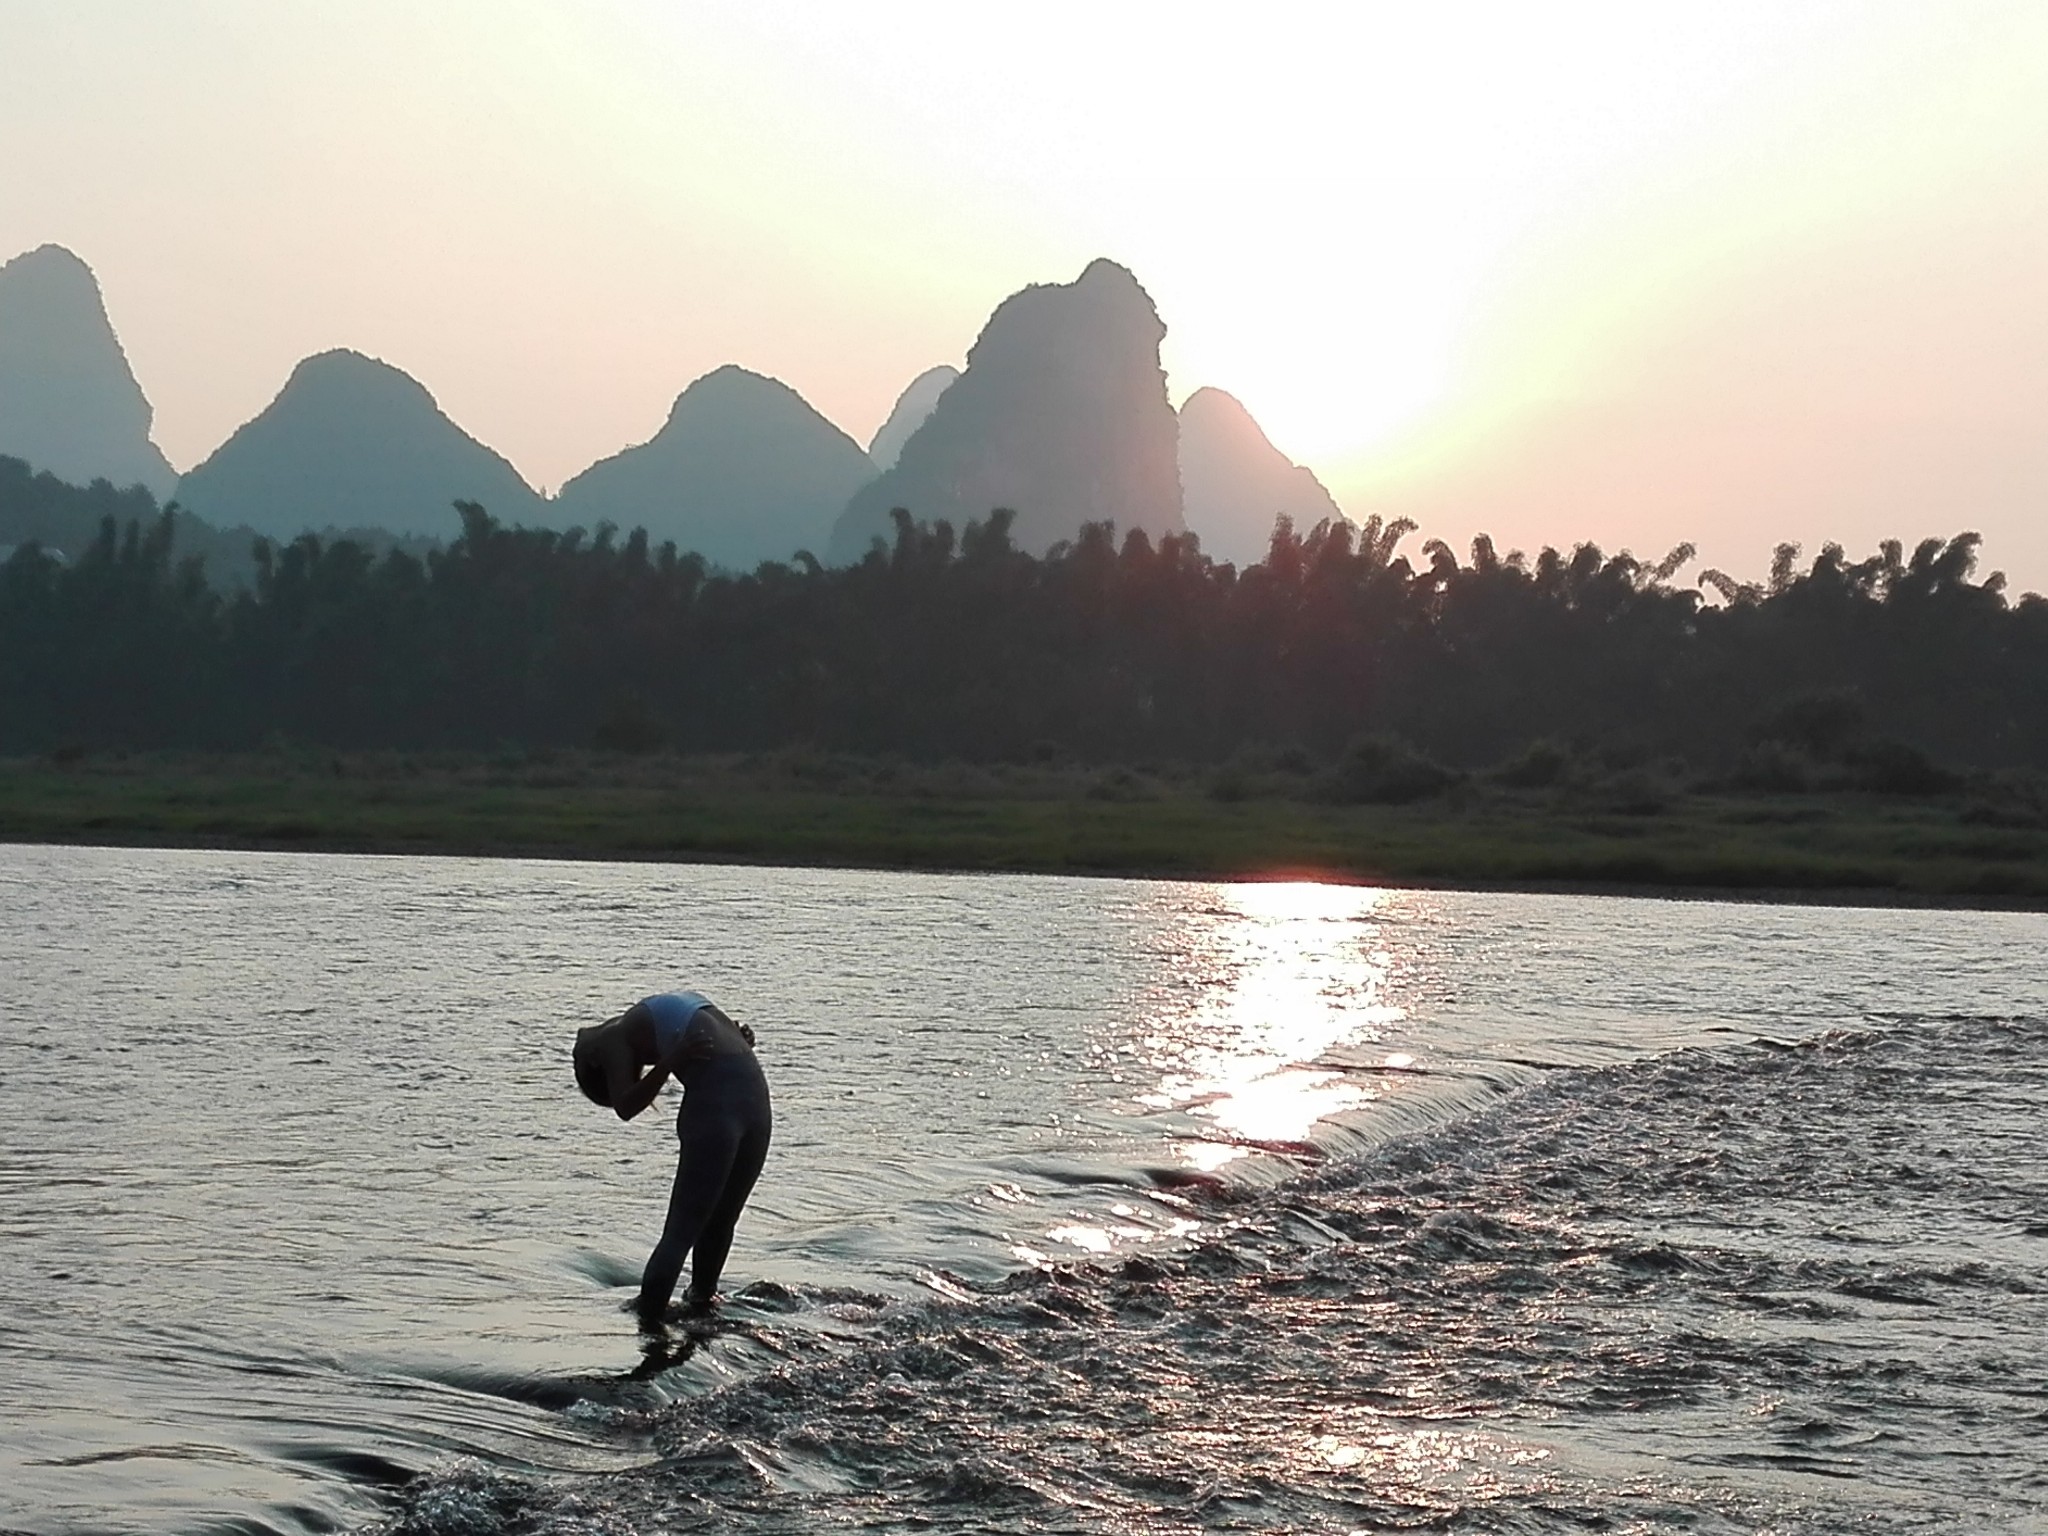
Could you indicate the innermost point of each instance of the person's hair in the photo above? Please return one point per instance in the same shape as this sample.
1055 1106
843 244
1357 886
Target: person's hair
590 1073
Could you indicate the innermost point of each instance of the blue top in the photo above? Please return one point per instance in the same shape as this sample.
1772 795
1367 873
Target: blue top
672 1013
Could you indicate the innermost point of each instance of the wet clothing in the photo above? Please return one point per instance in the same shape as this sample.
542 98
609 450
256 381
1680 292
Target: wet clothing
722 1130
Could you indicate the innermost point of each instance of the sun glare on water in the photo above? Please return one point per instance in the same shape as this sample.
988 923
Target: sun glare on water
1292 970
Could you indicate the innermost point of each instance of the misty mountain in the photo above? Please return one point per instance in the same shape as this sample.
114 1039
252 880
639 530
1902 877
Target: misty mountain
913 407
744 470
352 442
69 403
1234 482
1061 415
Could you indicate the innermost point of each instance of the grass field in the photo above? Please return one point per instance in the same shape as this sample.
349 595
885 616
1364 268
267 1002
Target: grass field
797 807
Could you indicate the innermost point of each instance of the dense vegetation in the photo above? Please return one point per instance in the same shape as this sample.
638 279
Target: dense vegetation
38 508
1336 654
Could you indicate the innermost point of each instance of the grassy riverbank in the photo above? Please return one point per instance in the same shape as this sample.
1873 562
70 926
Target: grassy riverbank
1988 843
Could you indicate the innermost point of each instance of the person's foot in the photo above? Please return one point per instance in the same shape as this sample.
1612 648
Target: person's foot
701 1303
651 1315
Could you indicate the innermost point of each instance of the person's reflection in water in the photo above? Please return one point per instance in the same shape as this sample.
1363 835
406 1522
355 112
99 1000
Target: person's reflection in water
723 1127
662 1351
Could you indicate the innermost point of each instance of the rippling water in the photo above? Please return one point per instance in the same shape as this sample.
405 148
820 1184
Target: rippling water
1094 1206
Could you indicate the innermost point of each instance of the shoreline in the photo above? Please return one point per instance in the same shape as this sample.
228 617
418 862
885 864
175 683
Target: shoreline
806 811
1844 896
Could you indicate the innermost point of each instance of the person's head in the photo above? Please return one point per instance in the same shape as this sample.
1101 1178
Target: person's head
590 1069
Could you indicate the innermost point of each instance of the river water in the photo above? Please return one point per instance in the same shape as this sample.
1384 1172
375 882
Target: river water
1094 1206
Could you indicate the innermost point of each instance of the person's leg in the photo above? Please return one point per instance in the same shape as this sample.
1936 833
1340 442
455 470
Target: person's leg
703 1168
714 1242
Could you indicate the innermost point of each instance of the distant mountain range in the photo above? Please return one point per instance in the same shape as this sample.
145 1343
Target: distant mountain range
913 407
1061 415
743 471
1234 483
350 442
69 403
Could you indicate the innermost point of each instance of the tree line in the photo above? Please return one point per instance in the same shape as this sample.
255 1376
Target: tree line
956 644
38 508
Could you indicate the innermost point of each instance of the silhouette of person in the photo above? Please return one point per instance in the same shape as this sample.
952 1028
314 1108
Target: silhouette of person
723 1127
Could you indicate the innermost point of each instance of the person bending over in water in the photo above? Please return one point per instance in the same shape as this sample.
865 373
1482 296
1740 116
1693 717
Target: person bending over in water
723 1126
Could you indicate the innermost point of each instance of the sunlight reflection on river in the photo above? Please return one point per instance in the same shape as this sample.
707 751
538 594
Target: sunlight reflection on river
1264 982
1291 971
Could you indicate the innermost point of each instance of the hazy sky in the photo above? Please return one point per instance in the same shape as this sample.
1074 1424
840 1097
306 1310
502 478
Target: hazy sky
1729 272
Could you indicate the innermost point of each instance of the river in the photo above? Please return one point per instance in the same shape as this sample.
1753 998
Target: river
1094 1205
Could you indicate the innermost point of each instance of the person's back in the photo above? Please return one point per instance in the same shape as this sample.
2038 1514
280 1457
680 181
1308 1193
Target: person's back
691 1021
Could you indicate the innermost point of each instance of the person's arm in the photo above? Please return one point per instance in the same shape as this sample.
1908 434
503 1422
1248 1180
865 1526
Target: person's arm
641 1091
633 1090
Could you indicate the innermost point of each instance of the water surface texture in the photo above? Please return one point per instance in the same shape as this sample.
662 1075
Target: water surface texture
1094 1206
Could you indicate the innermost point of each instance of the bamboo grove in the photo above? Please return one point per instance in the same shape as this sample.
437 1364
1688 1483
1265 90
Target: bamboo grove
950 645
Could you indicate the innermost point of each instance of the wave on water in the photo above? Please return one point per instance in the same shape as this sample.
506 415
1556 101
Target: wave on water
1788 1286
